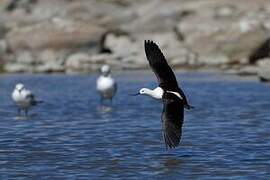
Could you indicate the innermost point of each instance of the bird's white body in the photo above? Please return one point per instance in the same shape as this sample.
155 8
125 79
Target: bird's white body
23 98
157 93
106 86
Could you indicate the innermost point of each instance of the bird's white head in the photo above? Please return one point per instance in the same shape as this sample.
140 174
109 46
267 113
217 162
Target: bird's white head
19 87
156 93
144 91
105 70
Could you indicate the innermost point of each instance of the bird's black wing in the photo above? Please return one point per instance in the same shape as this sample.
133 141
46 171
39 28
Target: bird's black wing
162 70
159 65
31 98
172 119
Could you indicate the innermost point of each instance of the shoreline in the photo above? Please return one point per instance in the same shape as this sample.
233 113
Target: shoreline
203 73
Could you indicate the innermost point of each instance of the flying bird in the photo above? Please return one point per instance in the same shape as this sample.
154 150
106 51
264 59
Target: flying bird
173 98
106 85
23 98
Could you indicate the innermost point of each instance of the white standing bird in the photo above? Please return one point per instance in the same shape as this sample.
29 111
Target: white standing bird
106 85
23 98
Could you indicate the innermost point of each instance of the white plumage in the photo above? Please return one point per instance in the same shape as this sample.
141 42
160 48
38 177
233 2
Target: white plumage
106 85
23 98
156 93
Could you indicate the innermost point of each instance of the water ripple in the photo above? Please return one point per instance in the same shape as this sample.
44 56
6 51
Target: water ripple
71 136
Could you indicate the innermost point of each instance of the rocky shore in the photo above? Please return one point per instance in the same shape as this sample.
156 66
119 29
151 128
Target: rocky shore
78 36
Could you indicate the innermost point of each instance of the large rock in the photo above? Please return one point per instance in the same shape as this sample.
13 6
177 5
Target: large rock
3 46
50 67
213 60
130 50
3 50
85 63
230 30
264 70
107 14
22 61
49 61
56 34
65 35
125 49
44 61
79 62
248 70
155 17
17 68
25 57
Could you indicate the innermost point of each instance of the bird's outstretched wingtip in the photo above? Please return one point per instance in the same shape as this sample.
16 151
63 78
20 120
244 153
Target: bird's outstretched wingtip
146 41
149 42
171 142
151 46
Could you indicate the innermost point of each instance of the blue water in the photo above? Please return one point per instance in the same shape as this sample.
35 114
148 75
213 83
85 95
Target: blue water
70 136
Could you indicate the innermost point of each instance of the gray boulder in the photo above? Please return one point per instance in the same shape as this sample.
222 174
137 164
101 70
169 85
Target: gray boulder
17 68
130 49
228 30
154 17
57 34
79 62
50 67
248 70
264 70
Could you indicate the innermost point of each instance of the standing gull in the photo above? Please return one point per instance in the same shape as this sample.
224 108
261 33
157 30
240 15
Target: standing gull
23 98
173 98
106 85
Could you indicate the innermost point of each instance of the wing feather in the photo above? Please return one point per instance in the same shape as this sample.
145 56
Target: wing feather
159 65
172 119
29 96
164 73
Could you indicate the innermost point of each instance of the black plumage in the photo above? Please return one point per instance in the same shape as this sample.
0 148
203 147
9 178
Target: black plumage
173 106
162 70
172 119
31 98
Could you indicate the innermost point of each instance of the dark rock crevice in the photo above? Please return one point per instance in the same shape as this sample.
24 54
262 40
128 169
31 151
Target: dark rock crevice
261 52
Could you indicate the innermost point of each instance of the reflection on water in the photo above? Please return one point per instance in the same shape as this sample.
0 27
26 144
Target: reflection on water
72 136
23 117
105 109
